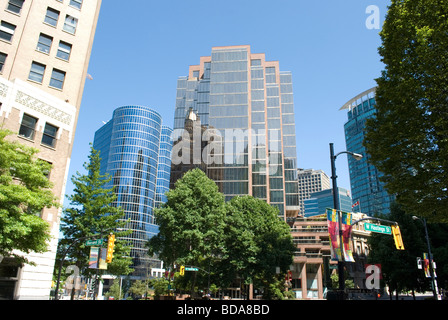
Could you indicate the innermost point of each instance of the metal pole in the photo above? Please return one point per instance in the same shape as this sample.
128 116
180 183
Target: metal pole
336 206
56 296
431 269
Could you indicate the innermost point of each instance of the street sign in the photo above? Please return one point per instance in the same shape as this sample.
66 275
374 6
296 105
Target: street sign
97 242
191 269
377 228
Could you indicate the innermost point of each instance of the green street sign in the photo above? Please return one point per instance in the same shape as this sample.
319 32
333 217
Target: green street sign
191 269
377 228
97 242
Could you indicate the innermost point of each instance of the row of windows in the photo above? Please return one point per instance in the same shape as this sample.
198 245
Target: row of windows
28 130
16 6
37 75
52 18
7 29
44 45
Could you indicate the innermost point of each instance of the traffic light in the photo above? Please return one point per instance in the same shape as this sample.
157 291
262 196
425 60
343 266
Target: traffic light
397 237
182 270
110 248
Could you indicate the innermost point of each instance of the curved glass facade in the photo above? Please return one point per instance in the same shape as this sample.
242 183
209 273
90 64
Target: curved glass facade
135 149
365 181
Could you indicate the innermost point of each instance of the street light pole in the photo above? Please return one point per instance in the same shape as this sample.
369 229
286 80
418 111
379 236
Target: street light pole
431 269
337 207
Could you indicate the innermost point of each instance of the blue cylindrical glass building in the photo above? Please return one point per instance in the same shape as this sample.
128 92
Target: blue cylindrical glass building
135 149
368 190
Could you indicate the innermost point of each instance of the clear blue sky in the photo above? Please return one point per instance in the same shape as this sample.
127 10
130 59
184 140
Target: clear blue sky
141 47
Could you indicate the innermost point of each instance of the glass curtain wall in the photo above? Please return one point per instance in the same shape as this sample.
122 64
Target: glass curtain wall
365 181
248 103
135 150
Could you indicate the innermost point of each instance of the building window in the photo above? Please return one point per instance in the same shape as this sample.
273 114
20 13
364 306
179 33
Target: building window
49 136
7 31
52 17
57 79
64 50
28 127
15 6
70 24
2 60
76 4
37 72
44 43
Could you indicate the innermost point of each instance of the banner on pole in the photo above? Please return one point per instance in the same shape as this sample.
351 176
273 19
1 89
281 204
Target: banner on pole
93 259
97 258
346 254
426 262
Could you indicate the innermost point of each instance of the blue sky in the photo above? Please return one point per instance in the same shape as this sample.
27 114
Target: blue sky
141 47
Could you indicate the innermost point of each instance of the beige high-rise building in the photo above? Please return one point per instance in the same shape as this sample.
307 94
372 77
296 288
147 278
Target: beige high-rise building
310 181
45 49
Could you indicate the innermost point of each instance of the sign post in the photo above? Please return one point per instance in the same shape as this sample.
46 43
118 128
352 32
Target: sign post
98 242
377 228
191 269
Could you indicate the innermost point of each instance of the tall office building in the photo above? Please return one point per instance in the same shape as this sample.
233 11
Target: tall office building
135 150
319 201
310 181
45 49
364 178
246 104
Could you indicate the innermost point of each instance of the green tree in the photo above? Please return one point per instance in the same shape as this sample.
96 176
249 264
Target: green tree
115 290
399 267
244 238
257 242
408 138
138 289
24 192
160 286
92 213
191 225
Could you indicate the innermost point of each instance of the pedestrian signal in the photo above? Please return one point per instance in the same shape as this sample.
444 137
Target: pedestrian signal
110 248
397 237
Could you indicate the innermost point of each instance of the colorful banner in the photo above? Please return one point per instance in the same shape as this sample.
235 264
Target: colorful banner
426 266
97 258
93 260
333 231
103 264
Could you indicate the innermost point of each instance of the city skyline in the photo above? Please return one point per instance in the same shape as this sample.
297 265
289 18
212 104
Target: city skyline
324 46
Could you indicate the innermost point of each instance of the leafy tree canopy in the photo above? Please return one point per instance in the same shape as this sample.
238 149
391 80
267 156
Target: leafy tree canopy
408 138
242 238
24 192
91 213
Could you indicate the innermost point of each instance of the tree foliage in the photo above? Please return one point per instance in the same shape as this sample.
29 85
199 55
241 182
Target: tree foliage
408 138
258 244
91 213
191 223
243 238
24 192
399 267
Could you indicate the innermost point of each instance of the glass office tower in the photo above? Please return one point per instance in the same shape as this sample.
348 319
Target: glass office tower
365 181
135 149
318 202
247 105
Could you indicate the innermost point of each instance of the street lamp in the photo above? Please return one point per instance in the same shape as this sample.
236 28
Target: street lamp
333 157
431 269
